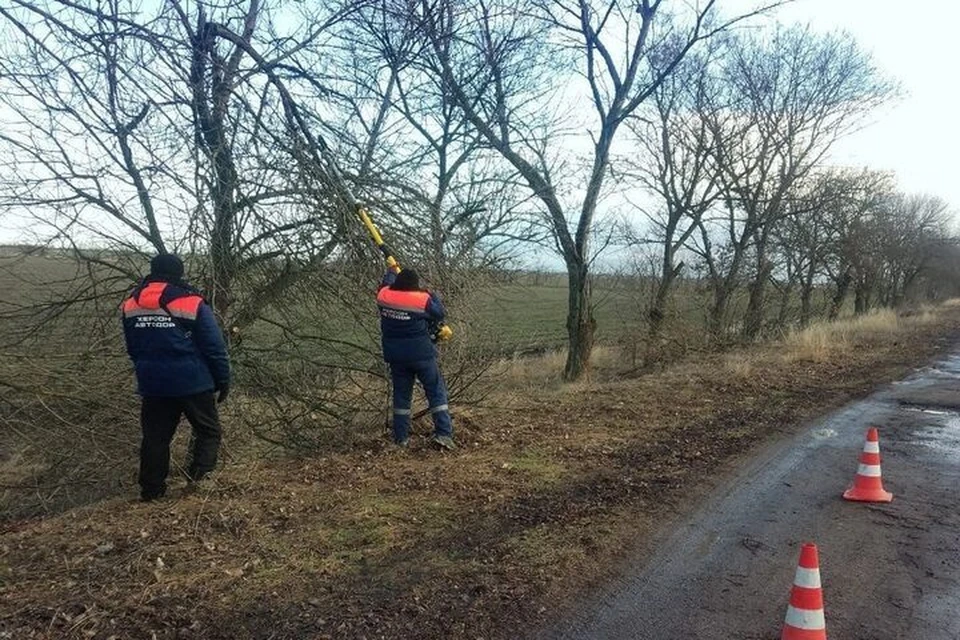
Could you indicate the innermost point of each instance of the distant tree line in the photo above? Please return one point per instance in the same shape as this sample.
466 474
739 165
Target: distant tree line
736 146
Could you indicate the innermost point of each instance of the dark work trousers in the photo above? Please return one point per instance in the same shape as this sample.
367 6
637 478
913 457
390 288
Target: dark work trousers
159 417
428 373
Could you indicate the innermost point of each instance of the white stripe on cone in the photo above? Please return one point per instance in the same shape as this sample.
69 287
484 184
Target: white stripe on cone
871 447
810 620
807 578
870 470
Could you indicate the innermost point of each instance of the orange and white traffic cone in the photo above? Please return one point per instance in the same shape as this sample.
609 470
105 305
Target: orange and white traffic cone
805 619
867 484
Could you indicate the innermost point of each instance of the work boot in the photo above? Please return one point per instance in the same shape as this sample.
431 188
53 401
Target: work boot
398 446
443 442
151 496
199 482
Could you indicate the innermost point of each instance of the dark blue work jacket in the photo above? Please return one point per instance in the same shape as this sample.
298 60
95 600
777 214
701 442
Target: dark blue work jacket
406 320
174 341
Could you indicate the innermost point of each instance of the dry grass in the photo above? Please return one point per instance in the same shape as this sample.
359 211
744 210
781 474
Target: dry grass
522 371
824 341
819 342
925 314
739 364
545 371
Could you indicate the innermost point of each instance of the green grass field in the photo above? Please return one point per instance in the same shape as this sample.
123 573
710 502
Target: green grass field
528 316
525 314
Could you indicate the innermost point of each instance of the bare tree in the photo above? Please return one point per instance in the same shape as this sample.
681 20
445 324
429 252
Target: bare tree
141 129
913 228
799 244
789 97
148 131
850 243
676 164
417 159
502 64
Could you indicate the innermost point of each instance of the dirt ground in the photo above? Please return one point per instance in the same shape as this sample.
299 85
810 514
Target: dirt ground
551 490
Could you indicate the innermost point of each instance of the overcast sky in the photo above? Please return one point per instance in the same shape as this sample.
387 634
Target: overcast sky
917 43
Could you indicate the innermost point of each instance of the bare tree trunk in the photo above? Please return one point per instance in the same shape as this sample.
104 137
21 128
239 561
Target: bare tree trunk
580 322
843 286
806 295
753 320
718 311
437 236
222 251
861 300
785 304
658 309
896 292
806 303
210 112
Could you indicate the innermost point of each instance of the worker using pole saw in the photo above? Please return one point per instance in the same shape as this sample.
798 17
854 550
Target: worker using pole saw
411 322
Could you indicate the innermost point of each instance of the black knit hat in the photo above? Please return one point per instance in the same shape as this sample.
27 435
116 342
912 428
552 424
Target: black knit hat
407 280
166 266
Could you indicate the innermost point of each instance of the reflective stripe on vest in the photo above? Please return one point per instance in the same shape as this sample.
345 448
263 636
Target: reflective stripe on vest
185 307
415 301
148 304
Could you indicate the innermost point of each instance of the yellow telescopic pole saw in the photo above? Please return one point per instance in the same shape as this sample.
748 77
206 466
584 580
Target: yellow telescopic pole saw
324 159
443 332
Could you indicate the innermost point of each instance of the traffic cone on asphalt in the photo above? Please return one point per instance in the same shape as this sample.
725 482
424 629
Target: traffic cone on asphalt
867 484
805 619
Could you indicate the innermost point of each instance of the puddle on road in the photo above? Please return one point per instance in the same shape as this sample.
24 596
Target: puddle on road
943 438
933 412
947 368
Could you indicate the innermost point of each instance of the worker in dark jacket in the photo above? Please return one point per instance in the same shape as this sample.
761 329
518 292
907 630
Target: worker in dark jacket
181 361
408 316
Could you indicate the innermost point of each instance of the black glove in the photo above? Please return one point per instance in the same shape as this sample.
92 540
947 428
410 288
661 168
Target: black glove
224 392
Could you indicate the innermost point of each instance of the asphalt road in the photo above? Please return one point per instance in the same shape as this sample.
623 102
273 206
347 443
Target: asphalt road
888 571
